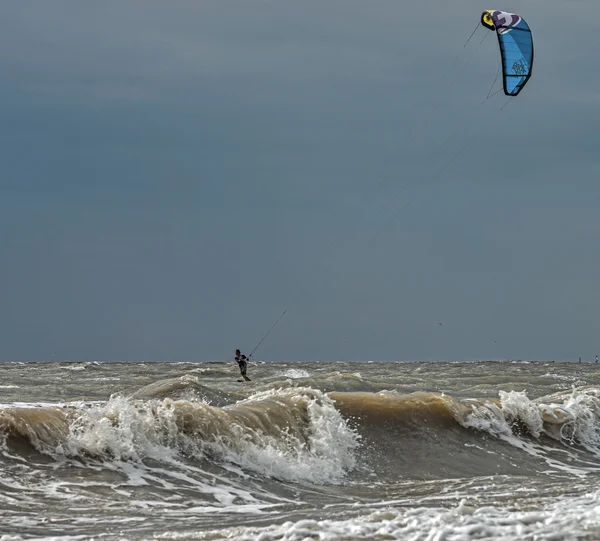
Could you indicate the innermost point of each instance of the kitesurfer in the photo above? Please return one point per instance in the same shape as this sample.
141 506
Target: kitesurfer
242 361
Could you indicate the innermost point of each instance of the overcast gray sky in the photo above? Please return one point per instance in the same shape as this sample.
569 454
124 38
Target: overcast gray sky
176 174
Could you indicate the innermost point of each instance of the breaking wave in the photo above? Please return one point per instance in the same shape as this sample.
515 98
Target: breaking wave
293 434
302 434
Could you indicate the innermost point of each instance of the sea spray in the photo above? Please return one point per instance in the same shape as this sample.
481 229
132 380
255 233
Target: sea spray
292 434
324 453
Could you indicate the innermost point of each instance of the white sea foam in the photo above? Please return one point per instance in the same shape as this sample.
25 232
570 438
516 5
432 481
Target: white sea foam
567 519
73 404
575 420
558 376
295 373
329 454
577 412
581 418
124 431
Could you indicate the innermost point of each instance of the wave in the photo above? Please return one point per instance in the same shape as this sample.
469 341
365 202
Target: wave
293 434
329 382
432 435
301 434
572 417
43 428
184 387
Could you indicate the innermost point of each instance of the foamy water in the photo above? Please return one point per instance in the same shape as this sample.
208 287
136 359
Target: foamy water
359 451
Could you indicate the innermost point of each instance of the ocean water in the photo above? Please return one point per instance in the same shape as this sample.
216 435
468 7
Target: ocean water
305 451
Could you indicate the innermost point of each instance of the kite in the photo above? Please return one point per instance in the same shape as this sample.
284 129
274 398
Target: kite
516 48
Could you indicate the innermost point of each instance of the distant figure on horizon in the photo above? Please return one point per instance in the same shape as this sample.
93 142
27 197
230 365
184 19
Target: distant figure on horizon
596 358
242 361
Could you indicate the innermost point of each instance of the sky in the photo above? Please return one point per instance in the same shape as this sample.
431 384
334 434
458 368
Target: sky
175 175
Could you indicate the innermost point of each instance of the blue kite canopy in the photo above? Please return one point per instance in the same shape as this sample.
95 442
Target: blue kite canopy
516 48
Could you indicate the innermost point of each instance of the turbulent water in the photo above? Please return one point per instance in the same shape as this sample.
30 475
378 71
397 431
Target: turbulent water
335 451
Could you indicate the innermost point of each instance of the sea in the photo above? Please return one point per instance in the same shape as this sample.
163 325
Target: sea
305 451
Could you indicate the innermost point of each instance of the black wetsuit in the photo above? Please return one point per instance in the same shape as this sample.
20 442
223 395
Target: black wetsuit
243 364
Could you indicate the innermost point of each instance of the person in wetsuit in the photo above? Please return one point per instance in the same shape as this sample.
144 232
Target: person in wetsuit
242 361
